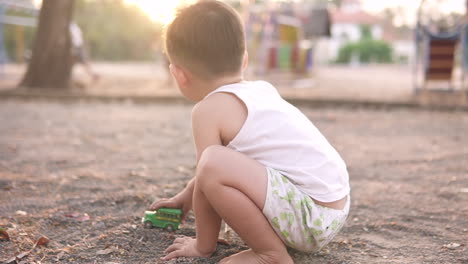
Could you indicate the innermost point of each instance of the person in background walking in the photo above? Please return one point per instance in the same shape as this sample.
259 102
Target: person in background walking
79 52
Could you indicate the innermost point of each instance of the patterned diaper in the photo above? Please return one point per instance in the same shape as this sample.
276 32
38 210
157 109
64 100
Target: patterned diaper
298 221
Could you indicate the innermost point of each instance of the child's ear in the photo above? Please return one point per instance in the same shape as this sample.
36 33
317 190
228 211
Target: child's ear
179 75
245 62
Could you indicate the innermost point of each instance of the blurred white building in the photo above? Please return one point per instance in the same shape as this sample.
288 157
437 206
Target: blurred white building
347 23
402 42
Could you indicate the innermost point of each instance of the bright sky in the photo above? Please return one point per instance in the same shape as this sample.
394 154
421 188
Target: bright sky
409 7
163 11
446 5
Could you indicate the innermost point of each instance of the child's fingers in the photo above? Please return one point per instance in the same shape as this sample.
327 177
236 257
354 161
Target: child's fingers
162 203
154 206
173 247
173 254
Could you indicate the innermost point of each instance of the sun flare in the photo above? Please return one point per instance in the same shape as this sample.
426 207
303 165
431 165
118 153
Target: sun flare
160 11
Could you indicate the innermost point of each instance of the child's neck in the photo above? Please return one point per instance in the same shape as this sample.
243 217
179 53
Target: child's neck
207 87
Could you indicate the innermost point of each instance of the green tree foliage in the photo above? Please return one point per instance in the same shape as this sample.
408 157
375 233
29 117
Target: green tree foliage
366 49
114 30
336 2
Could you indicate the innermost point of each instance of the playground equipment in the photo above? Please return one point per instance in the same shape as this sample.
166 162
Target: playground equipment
24 6
281 39
286 52
441 49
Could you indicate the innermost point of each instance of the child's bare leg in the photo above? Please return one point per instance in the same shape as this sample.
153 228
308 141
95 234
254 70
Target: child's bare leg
207 220
233 186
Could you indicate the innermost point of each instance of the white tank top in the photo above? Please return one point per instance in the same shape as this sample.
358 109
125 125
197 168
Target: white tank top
281 137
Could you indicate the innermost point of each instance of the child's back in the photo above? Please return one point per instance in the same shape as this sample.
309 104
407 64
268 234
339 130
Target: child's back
281 137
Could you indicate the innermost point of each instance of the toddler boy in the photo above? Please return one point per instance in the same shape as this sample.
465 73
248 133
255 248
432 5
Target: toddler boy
262 166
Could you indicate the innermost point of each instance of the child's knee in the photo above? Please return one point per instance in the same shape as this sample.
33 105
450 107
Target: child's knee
210 165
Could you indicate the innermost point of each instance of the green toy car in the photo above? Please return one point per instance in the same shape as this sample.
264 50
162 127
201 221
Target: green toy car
167 218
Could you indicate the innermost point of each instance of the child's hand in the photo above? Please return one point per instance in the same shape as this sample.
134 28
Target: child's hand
184 247
180 201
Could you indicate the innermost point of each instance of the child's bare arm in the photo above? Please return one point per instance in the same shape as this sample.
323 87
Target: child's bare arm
215 121
211 126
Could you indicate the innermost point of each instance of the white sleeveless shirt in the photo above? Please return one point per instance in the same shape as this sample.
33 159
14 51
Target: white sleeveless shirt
281 137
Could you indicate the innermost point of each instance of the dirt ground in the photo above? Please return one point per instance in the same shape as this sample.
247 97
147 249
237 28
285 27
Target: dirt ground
83 173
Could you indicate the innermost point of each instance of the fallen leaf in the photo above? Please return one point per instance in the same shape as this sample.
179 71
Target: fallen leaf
67 249
105 251
452 245
42 241
78 216
19 212
23 255
4 235
137 174
17 258
83 218
8 188
10 261
72 215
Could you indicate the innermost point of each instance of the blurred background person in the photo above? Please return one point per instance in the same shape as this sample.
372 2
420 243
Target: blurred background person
79 52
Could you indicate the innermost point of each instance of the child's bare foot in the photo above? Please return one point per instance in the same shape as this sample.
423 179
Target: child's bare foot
250 257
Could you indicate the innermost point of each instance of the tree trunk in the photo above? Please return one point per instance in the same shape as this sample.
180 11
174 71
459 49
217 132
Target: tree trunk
51 62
